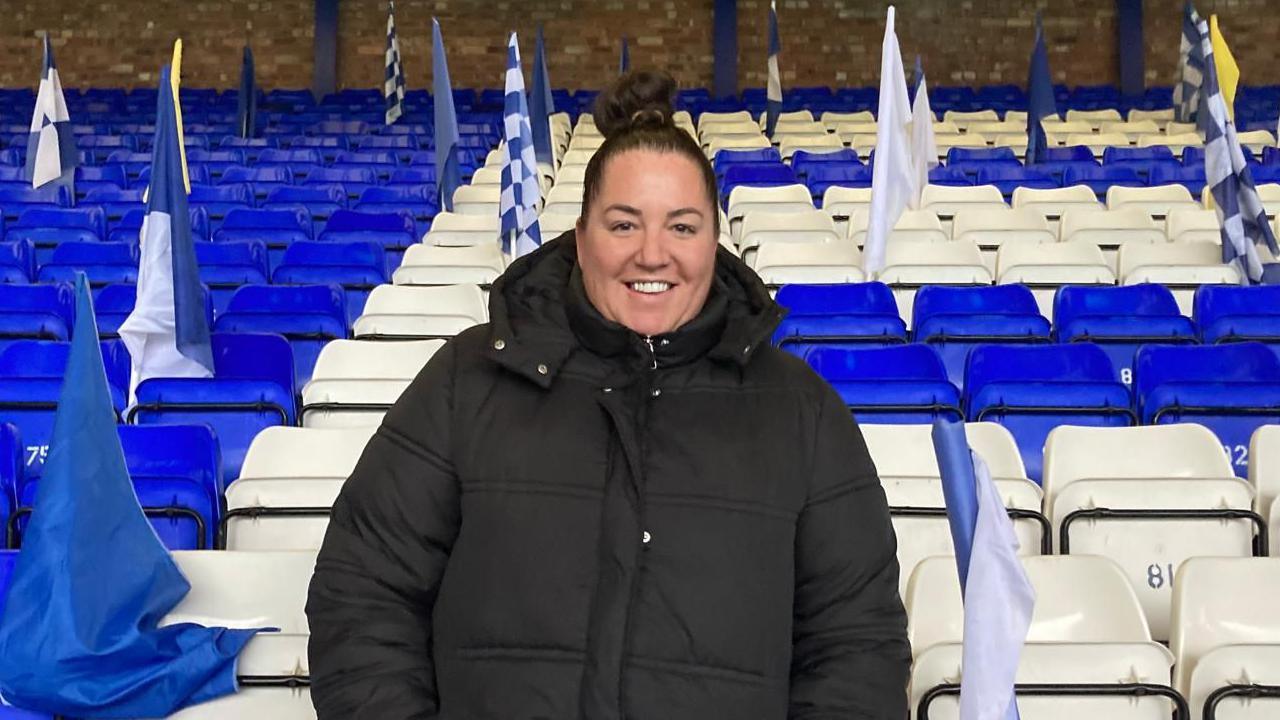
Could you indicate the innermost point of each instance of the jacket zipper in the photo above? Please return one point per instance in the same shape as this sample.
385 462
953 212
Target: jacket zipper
653 355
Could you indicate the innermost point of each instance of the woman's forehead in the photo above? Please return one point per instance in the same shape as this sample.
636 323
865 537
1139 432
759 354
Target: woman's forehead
653 174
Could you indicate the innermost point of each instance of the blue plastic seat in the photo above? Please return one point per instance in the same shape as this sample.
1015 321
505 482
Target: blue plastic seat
102 262
12 459
1032 389
855 314
38 312
1231 313
726 158
328 146
31 373
419 201
218 200
1120 320
115 302
904 384
108 177
1194 155
1009 178
1100 178
754 174
803 160
252 389
354 179
17 262
307 315
132 162
1001 155
16 199
942 175
1139 158
197 174
47 227
1190 177
224 267
114 203
955 319
395 231
277 227
216 162
386 142
261 179
381 162
320 201
284 158
413 176
357 266
1232 389
250 147
821 176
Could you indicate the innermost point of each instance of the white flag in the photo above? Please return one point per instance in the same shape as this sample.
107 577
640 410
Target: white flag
924 149
893 182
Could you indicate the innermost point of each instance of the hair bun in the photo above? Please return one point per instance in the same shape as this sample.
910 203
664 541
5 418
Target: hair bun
642 98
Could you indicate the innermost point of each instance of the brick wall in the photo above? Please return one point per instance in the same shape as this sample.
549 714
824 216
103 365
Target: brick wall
837 42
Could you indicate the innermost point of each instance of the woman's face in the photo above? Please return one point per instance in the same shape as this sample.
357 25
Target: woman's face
647 248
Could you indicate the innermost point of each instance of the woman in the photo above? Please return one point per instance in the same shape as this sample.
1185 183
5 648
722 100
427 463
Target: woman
616 499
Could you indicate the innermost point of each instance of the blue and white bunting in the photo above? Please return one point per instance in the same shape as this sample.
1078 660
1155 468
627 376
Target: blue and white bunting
393 79
521 194
51 147
1186 94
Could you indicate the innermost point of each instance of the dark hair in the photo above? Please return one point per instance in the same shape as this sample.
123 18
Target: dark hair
635 113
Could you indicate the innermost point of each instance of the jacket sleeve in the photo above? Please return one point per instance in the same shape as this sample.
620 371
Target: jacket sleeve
850 656
379 570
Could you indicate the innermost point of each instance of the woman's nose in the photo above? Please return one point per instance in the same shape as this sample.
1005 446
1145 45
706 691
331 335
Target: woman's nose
653 250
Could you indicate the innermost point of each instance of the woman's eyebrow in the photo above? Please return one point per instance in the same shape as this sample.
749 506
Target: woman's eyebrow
623 208
684 211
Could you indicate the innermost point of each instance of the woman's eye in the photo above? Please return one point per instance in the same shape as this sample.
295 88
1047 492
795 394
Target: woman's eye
685 229
621 226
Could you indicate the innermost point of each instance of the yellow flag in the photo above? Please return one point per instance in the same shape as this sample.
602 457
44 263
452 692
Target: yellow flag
175 75
1228 71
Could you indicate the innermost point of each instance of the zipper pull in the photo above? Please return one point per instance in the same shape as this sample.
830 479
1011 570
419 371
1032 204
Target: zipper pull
653 355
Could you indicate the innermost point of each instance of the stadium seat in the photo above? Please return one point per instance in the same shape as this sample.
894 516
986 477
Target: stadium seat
784 198
782 263
1176 142
1231 389
47 227
32 372
290 478
402 312
355 382
1148 498
276 228
1031 390
903 384
394 231
1192 178
456 230
760 227
224 267
1182 267
1045 267
1009 178
418 202
1101 179
252 590
912 225
103 263
1237 313
261 180
354 180
318 201
442 265
841 202
991 228
17 262
36 312
476 199
846 315
563 199
947 201
252 389
1088 649
1120 320
1110 229
1053 203
357 266
908 470
114 203
821 177
1191 225
1156 201
15 200
13 455
1264 476
1225 636
307 315
218 200
910 265
115 302
955 319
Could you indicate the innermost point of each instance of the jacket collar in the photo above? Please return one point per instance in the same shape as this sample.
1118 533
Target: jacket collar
539 315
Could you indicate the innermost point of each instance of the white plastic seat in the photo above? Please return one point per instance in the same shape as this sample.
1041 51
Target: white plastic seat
586 142
1226 631
277 703
1094 117
760 227
1062 128
1192 225
1097 142
991 228
783 263
1176 142
1182 267
355 382
564 198
1174 127
963 117
910 265
728 128
712 118
1015 142
1269 194
798 121
576 156
789 144
968 140
1052 203
552 224
1160 116
945 127
1087 628
420 313
946 201
494 159
842 202
1157 201
291 467
788 117
1018 116
920 225
1109 229
995 128
1045 267
488 175
908 469
477 199
832 118
783 198
736 142
1264 475
1130 128
252 590
452 229
575 174
443 265
1256 140
1151 468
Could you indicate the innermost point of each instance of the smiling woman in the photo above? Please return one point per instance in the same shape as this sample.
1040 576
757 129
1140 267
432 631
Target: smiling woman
570 513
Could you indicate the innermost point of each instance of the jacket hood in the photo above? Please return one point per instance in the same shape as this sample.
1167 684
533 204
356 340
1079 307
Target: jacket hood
539 314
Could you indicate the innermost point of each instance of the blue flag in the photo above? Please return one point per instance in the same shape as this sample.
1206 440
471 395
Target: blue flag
1186 94
448 174
998 597
247 101
521 194
624 61
393 75
51 147
773 93
167 333
79 635
541 105
1040 100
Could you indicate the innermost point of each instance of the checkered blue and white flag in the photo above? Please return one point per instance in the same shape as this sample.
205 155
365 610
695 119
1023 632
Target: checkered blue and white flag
51 148
393 84
1186 94
1240 212
521 194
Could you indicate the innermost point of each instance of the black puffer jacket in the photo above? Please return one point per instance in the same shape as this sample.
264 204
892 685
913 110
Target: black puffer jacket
557 523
